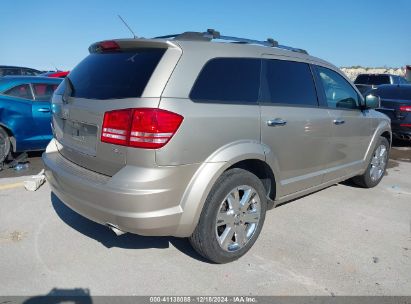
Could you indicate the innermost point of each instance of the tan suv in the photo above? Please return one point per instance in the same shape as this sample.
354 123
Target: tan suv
184 136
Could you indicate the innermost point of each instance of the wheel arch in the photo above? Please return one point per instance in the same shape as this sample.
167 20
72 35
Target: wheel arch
388 136
382 130
248 155
11 136
262 170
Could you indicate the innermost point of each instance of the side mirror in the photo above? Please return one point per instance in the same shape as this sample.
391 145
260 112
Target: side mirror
372 102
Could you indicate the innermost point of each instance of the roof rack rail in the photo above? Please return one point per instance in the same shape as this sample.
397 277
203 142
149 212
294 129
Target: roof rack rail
211 34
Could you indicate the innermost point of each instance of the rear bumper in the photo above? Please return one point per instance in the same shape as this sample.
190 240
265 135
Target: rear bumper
401 132
144 201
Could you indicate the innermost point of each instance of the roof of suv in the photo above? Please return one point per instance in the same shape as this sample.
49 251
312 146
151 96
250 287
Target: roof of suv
214 42
238 49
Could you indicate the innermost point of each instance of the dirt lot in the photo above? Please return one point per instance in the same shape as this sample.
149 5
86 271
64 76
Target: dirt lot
342 240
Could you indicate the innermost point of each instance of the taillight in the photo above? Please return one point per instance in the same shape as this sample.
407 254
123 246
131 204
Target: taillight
153 128
116 127
405 108
141 128
104 46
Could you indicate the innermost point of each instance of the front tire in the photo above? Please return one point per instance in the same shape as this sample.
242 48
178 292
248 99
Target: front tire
378 164
4 145
232 217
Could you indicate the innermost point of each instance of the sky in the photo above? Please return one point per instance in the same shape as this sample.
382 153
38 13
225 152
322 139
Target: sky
56 34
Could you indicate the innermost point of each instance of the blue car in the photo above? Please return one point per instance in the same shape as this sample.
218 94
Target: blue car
25 113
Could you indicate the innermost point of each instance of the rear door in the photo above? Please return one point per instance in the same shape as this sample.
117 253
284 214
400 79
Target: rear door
19 116
108 79
292 124
351 131
41 108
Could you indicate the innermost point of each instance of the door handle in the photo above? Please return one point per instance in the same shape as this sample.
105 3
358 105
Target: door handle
276 122
338 121
44 110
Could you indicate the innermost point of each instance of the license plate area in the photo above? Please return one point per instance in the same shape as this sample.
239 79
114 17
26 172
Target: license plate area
80 136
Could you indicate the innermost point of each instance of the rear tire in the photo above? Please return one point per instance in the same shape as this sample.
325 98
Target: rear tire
4 145
232 217
377 166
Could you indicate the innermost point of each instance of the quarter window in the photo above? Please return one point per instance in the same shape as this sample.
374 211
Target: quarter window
289 83
43 91
338 92
21 91
228 80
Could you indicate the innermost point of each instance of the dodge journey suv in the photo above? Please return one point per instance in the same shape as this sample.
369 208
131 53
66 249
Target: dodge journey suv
197 135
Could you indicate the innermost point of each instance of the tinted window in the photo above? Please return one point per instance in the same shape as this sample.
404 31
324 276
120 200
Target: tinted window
403 80
228 80
338 91
289 82
21 91
28 72
361 79
394 92
372 79
379 79
10 71
43 91
115 74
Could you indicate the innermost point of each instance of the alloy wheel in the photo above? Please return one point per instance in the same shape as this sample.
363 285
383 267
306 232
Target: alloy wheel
238 218
378 162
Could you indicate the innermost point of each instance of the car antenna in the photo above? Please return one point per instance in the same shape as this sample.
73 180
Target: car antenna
129 28
55 67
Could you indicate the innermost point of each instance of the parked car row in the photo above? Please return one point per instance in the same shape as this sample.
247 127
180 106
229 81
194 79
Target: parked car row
365 82
25 113
395 94
396 104
6 70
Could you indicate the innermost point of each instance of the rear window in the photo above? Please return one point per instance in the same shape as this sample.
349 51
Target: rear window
394 92
228 80
114 75
372 79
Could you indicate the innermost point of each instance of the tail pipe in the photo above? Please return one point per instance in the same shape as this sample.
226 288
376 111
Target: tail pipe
115 229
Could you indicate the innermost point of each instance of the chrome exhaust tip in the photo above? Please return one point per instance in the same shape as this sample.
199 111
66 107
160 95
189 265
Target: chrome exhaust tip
115 229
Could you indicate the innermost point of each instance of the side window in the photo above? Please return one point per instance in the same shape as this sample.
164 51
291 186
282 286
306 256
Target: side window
27 72
11 71
21 91
43 91
338 91
228 80
289 82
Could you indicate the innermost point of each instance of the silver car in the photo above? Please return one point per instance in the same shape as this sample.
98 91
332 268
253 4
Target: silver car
184 136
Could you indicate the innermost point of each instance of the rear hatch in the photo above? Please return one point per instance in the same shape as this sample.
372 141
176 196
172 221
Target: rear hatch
114 76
